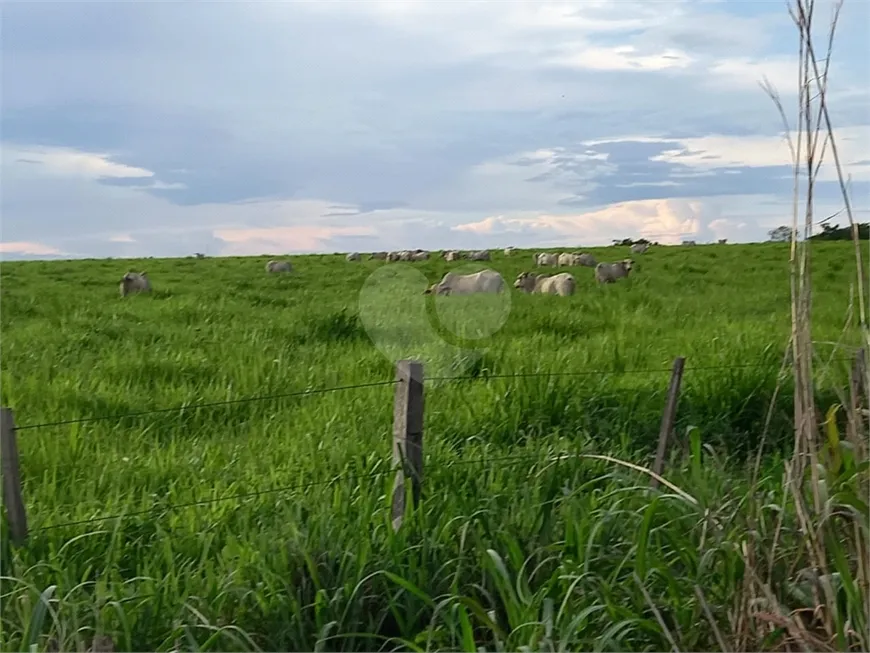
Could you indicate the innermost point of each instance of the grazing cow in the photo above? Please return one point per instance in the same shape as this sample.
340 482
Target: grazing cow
353 256
566 259
610 272
639 248
508 251
485 281
378 255
586 260
482 255
420 255
689 243
278 266
562 284
133 282
723 241
405 255
546 259
199 255
452 255
394 256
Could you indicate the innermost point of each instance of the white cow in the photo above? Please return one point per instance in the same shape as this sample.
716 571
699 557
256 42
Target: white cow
278 266
353 256
508 251
405 255
482 255
723 241
566 259
378 255
420 255
689 243
546 259
452 255
562 284
133 282
485 281
394 256
639 248
610 272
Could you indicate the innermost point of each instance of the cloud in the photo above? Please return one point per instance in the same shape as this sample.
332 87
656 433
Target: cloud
244 242
37 249
665 221
56 161
388 123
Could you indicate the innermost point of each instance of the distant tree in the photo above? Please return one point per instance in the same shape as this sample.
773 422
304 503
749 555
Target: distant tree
628 242
780 234
836 232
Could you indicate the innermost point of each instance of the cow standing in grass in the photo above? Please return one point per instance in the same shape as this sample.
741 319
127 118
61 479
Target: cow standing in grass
562 284
274 267
134 283
485 281
610 272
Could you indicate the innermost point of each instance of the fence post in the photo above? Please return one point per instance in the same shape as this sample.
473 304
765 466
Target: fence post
668 417
407 436
855 418
15 512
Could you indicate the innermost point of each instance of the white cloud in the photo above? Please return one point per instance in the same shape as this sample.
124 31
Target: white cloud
71 163
622 57
665 221
716 151
32 248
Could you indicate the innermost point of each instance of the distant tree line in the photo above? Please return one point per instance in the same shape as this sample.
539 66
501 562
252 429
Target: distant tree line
829 232
628 242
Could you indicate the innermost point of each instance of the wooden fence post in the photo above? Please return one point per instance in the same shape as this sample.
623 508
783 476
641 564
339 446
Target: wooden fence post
407 436
855 418
668 417
15 512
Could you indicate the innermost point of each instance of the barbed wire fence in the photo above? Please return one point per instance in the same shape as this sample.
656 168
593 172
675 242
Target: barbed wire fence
407 439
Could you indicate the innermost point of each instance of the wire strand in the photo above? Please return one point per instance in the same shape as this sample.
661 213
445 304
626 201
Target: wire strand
520 375
287 488
302 393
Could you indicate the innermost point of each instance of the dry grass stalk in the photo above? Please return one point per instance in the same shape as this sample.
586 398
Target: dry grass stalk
809 477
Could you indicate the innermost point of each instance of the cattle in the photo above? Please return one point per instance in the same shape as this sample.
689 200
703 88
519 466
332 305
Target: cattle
566 259
639 248
378 255
199 255
586 260
353 256
420 255
452 255
482 255
278 266
688 243
132 282
546 259
610 272
562 284
508 251
485 281
723 241
394 256
405 255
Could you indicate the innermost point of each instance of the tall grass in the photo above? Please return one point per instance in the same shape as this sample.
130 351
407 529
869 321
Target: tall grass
530 550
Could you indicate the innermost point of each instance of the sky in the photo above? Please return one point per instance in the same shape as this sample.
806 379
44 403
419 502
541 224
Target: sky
149 128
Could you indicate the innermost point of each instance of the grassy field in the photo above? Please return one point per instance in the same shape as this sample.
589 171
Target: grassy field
573 555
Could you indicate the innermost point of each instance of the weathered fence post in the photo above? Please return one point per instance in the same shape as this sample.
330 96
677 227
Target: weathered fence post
15 512
407 436
668 417
855 418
